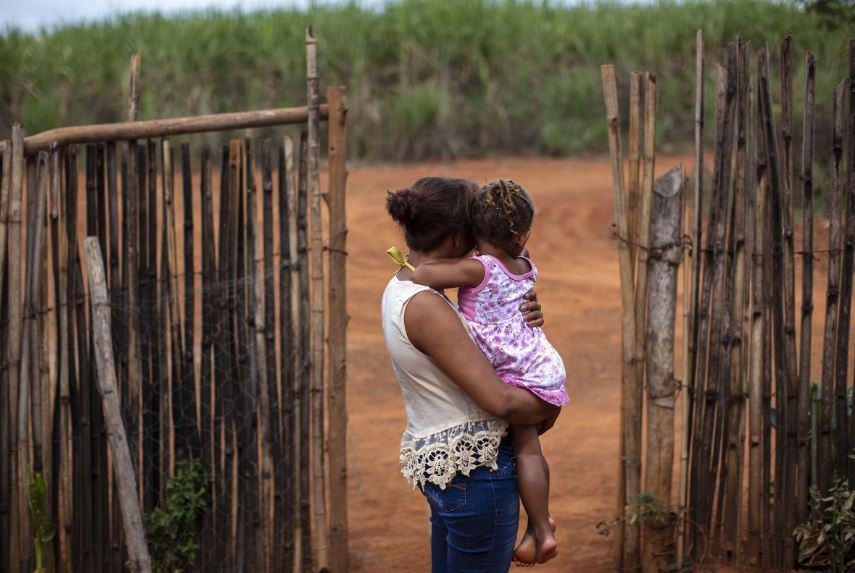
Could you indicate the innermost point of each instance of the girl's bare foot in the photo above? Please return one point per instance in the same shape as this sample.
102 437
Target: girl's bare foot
525 555
533 550
547 547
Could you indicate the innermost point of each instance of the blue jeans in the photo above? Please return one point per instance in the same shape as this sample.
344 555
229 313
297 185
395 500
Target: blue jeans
474 519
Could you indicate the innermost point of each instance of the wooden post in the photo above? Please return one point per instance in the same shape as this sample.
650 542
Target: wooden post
663 260
337 341
139 559
626 543
808 131
319 504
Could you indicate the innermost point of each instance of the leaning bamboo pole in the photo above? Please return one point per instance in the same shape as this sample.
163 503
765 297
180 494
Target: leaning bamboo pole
663 262
139 559
338 319
808 133
319 504
626 544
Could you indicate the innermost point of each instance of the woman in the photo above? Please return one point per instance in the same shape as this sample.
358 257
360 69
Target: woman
454 448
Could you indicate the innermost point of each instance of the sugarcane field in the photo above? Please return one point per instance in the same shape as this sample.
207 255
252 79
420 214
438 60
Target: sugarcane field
329 286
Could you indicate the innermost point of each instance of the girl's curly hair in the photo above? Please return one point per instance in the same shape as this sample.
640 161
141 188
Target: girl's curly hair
502 211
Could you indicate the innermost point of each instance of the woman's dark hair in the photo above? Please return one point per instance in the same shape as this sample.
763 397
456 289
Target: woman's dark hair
432 210
501 212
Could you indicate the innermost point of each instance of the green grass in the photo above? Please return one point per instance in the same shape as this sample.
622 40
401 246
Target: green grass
425 79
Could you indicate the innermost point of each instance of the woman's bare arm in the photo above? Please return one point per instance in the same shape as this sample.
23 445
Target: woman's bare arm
434 328
449 273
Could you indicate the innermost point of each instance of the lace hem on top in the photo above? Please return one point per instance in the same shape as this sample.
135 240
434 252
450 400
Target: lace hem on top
437 458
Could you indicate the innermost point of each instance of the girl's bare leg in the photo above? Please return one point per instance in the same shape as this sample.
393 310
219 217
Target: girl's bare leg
538 544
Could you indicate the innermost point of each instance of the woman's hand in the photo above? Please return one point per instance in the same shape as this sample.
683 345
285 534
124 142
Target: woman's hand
531 310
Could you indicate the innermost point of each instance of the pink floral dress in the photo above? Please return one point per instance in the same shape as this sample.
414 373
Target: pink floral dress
522 356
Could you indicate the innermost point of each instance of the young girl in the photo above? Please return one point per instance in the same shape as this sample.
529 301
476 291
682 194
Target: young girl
492 286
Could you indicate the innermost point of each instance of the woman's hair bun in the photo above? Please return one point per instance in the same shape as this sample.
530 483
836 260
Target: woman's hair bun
401 206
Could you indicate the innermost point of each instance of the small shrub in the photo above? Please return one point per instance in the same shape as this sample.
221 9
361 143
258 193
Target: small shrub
173 527
827 540
43 528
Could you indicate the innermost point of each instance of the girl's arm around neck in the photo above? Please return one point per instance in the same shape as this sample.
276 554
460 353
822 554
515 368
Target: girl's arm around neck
434 328
449 273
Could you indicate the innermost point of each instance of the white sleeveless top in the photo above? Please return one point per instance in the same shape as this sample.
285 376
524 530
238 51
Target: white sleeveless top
446 431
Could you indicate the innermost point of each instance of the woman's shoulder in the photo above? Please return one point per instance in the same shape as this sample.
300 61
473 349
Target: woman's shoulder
400 294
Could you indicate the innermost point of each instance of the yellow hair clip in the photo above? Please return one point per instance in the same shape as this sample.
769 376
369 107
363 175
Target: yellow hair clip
399 258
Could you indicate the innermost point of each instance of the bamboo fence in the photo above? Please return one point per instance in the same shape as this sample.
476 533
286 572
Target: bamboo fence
757 432
206 339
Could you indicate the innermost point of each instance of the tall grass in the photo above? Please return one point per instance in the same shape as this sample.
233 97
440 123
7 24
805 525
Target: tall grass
425 79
